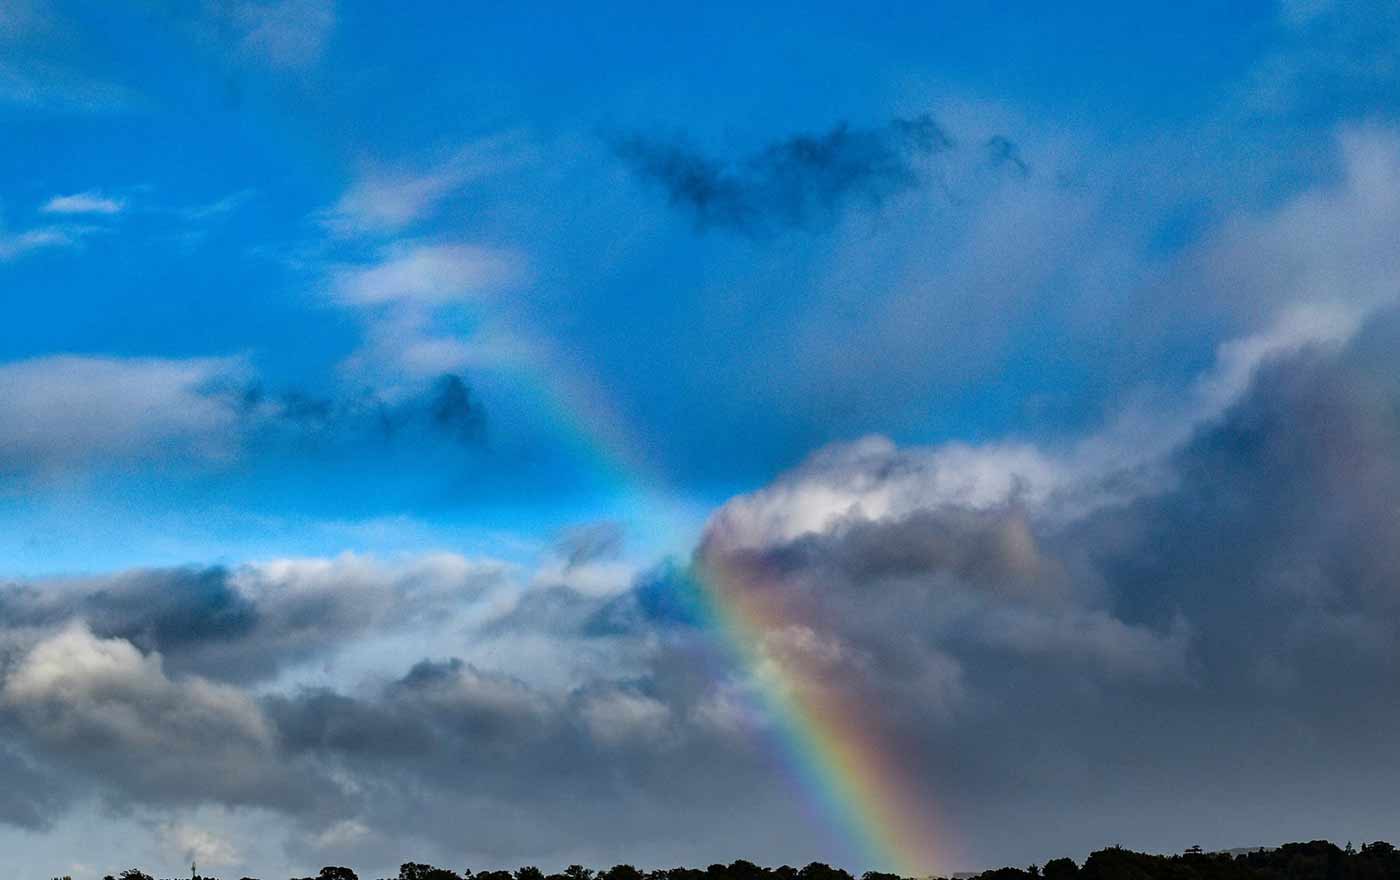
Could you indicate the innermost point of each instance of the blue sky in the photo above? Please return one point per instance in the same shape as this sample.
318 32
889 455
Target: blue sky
324 302
225 140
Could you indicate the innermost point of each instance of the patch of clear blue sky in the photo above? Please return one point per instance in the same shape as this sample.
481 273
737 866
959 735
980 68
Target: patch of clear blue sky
408 84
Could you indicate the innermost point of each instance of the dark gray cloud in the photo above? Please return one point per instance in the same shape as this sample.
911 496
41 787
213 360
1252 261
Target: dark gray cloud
31 795
806 179
446 410
1282 528
1191 645
249 623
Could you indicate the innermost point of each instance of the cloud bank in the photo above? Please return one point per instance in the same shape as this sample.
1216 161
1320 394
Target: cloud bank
958 590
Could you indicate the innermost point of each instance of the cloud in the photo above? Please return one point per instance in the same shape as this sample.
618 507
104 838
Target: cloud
1029 618
76 413
90 202
108 710
218 207
922 589
1326 246
426 275
411 294
257 621
1327 59
32 795
804 180
14 245
66 410
408 298
947 590
288 34
385 199
35 71
1001 150
443 408
32 82
198 845
118 685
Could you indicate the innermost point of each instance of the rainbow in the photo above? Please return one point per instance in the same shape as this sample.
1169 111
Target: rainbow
823 736
838 756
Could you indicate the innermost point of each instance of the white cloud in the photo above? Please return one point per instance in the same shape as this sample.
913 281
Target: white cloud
342 834
228 203
90 202
387 199
873 479
75 687
404 296
1331 244
33 71
194 844
427 275
18 244
66 410
285 33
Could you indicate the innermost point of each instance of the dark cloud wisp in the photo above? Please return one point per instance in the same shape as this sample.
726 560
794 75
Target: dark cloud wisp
804 180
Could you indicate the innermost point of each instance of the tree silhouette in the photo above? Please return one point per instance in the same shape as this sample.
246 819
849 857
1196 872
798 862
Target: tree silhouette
1315 860
419 871
331 872
1060 869
578 872
621 872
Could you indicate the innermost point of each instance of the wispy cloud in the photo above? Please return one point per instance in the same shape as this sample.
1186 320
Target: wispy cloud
218 207
287 34
426 275
12 246
89 202
387 199
35 70
70 414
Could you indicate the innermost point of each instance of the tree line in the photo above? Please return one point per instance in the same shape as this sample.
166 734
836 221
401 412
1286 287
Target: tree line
1317 860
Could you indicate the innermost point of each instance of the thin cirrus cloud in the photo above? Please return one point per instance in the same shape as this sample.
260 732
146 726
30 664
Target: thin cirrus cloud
426 275
13 245
285 34
89 202
385 199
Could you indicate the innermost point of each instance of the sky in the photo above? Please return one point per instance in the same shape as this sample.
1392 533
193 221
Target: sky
927 437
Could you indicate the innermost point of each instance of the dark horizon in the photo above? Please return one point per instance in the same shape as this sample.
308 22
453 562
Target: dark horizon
1314 860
